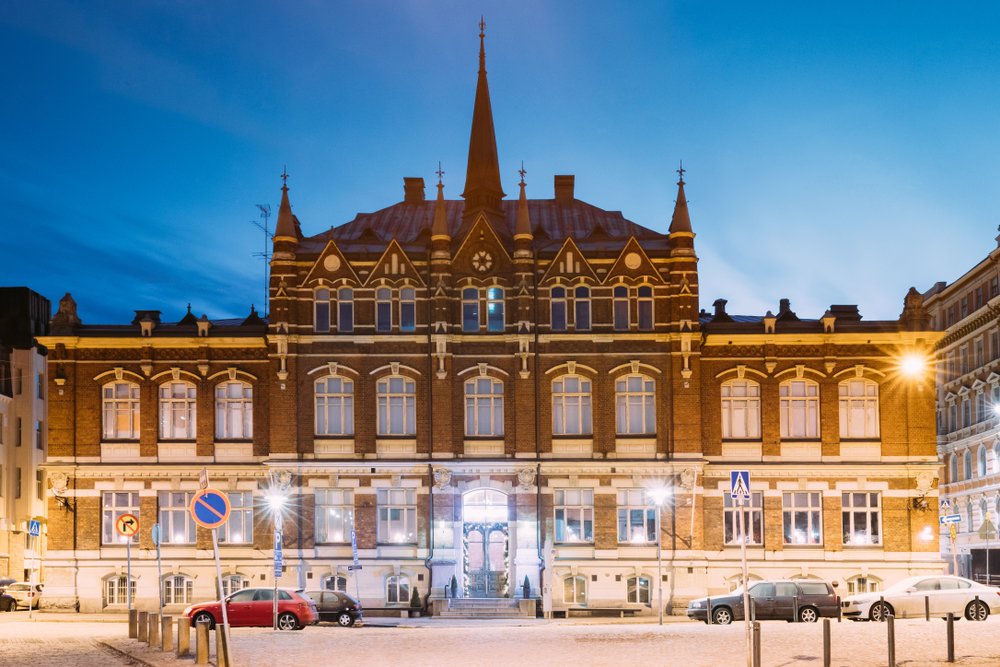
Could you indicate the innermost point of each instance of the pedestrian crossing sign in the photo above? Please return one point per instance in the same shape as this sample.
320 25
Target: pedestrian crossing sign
739 484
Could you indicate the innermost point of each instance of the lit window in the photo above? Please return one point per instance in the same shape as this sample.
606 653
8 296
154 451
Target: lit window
581 308
574 514
483 407
176 524
635 398
239 528
177 411
397 516
645 308
753 523
494 309
557 300
858 408
334 406
407 309
234 411
115 504
484 506
636 517
383 309
397 410
637 590
620 298
177 589
321 310
571 409
861 516
334 516
575 590
397 590
799 401
802 513
120 409
470 309
740 409
345 310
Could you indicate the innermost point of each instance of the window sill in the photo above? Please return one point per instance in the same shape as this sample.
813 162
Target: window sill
395 446
333 445
484 447
573 446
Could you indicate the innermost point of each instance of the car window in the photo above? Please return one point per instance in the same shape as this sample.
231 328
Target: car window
928 585
242 596
263 594
282 595
762 590
814 588
786 590
962 583
949 584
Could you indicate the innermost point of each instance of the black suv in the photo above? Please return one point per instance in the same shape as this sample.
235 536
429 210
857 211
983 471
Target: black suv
336 607
804 601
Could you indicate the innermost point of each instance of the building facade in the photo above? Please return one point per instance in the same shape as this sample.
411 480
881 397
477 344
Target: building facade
498 398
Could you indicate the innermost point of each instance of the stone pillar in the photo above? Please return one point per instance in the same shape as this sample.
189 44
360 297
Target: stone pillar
167 633
143 635
183 637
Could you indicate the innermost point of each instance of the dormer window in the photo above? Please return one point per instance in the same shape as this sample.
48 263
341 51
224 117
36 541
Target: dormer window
321 311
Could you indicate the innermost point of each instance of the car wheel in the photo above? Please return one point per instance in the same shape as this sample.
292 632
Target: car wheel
344 620
977 611
808 615
6 605
879 611
722 616
287 621
203 616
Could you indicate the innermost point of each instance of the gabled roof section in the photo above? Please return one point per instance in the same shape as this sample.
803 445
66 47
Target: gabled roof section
481 229
394 265
569 263
331 265
634 264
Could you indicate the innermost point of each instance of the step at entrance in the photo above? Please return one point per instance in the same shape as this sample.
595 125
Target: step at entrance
484 608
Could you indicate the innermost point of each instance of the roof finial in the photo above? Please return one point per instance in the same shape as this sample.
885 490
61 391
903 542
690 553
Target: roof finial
522 172
440 173
284 177
482 44
681 173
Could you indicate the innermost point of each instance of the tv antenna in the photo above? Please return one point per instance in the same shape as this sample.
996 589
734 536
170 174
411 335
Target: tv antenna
265 215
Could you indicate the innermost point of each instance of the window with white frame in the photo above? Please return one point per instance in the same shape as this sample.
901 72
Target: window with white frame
335 582
397 409
470 309
383 309
753 522
863 584
635 402
239 528
345 310
802 515
799 408
234 583
334 406
234 411
571 408
177 589
176 524
581 308
645 308
620 306
574 514
858 408
862 517
495 309
636 517
120 410
637 590
115 591
334 516
397 589
407 309
483 407
114 504
321 310
740 409
575 590
178 406
397 516
557 307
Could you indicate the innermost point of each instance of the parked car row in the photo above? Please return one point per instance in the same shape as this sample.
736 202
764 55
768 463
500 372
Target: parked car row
254 607
17 595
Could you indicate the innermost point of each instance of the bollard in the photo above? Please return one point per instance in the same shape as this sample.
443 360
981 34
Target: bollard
153 632
840 610
201 643
143 627
708 613
951 637
133 623
927 607
890 623
183 637
167 633
221 646
827 652
756 644
795 609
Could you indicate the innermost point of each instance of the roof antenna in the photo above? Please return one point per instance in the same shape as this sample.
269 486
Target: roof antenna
265 215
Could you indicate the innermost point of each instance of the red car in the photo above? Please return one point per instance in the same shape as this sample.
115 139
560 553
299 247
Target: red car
254 607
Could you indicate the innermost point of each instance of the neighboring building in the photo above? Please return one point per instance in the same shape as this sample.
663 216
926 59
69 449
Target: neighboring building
24 317
968 388
492 390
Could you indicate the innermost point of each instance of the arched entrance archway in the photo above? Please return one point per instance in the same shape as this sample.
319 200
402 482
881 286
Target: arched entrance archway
486 543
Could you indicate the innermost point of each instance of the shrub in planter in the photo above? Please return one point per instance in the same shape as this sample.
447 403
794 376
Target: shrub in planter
415 599
454 586
526 587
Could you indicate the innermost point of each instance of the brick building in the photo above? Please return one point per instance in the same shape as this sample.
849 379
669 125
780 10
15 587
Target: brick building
492 390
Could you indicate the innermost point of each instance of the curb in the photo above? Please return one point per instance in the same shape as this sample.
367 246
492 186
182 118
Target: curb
124 654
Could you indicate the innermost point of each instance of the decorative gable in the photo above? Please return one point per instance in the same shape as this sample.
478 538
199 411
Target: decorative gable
569 263
394 266
481 254
330 267
634 265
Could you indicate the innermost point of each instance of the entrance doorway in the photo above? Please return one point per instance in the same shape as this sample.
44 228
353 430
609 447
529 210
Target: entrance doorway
486 538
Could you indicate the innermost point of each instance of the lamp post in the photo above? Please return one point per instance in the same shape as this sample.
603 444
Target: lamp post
659 496
276 500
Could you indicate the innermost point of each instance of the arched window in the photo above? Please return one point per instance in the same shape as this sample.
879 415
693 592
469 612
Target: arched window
483 407
635 400
571 410
335 582
858 408
397 589
345 310
645 308
638 590
494 309
233 583
470 309
120 408
740 409
575 590
234 411
484 506
383 309
177 411
177 589
799 403
407 309
968 513
334 406
321 310
557 304
581 308
863 584
981 461
967 465
397 409
953 469
115 591
620 298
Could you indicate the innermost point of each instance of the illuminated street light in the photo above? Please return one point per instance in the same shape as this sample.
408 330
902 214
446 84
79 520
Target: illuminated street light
912 365
658 495
276 499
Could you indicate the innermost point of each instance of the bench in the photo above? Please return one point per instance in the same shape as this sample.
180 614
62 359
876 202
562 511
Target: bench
391 612
620 610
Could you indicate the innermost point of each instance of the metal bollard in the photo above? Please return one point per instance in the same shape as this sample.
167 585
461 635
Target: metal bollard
708 612
167 633
221 646
183 637
927 607
143 627
890 622
133 623
201 643
795 609
827 652
153 632
951 637
756 644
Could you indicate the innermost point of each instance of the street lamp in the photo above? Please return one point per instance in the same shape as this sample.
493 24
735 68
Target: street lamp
658 495
276 500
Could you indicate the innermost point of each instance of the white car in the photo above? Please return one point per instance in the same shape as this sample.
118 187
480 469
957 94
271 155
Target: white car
910 598
25 593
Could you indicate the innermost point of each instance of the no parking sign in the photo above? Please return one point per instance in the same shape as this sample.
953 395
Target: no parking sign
210 508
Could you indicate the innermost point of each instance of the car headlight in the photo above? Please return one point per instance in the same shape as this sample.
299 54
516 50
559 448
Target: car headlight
697 604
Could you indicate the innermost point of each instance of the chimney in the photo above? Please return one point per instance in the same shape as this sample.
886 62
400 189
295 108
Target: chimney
564 189
413 189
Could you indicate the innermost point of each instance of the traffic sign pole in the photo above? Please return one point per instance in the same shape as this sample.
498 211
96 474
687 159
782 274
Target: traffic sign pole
159 563
210 509
954 550
278 561
355 570
128 572
127 526
739 492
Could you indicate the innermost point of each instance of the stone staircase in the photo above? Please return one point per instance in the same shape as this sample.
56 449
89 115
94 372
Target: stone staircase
484 608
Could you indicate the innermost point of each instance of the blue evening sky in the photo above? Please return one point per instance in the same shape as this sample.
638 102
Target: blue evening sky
836 152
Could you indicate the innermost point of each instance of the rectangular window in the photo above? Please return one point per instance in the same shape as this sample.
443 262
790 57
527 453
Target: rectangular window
802 513
979 297
19 425
799 409
345 310
574 512
979 353
40 381
39 484
636 518
994 287
966 413
494 309
334 516
176 524
397 516
407 309
321 321
17 483
753 521
239 528
994 346
964 307
470 310
383 309
620 298
114 504
39 435
861 514
581 309
557 301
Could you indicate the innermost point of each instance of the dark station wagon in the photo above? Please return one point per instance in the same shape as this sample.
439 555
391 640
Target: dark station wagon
335 606
804 601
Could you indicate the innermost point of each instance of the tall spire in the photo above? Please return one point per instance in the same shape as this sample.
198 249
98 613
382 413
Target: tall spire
522 227
681 222
286 224
482 179
439 226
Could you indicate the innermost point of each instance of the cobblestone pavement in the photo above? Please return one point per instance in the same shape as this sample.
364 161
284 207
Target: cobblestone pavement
54 644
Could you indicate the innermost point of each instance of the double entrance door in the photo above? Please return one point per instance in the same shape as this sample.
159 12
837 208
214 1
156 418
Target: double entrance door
486 556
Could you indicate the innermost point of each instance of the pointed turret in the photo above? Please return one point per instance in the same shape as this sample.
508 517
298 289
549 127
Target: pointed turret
681 236
482 179
439 226
286 233
523 235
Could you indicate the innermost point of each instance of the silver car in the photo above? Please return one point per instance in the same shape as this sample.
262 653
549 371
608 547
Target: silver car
911 597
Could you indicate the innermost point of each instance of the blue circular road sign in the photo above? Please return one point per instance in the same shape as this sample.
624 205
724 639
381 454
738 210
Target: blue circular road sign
210 508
